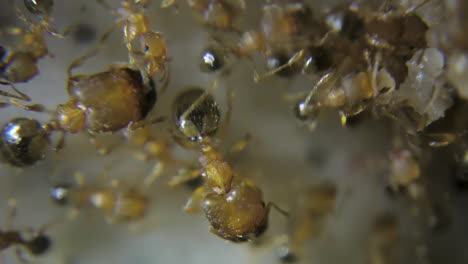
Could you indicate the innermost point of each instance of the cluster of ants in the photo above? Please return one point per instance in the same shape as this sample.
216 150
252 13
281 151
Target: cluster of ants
356 56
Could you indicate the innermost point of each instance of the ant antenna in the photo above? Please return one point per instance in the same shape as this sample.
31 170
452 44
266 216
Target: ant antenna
199 100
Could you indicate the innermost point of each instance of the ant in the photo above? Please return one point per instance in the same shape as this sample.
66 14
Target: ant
153 146
351 94
151 57
36 245
219 15
106 101
119 202
234 206
360 59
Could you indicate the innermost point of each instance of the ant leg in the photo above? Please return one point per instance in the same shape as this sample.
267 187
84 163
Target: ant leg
416 7
296 57
104 175
227 120
100 147
58 146
194 205
79 178
184 175
20 256
14 31
277 208
165 79
11 214
144 123
19 96
199 100
73 214
156 172
32 107
20 13
91 53
240 144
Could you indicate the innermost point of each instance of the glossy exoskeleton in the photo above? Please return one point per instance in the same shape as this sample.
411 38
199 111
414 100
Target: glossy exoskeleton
23 142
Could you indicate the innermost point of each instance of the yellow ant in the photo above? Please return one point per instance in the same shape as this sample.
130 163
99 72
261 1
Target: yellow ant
234 206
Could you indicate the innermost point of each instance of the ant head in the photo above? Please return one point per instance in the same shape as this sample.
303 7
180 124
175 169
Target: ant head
196 120
60 193
39 244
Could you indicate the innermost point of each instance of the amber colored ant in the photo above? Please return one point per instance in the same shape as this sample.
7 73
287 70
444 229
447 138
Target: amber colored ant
38 244
350 94
102 102
233 206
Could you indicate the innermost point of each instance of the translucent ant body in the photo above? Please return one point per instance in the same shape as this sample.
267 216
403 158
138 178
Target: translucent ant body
233 206
118 202
152 146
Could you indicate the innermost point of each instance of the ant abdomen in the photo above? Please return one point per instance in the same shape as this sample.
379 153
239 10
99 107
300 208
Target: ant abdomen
106 101
239 215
